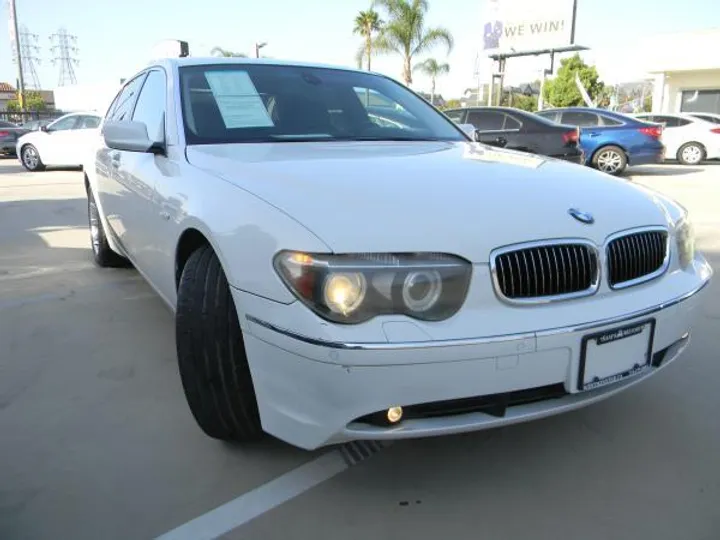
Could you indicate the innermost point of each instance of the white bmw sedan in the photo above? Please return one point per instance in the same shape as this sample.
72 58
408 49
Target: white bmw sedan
335 276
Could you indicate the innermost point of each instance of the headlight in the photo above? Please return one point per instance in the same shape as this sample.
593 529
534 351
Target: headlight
356 288
685 238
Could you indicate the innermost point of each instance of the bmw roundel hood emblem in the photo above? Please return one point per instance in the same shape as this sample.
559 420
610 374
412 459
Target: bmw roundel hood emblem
582 217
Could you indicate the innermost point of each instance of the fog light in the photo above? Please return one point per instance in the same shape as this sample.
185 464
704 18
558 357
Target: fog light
394 414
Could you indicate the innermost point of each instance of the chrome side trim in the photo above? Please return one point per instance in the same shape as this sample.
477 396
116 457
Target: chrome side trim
595 282
648 277
380 346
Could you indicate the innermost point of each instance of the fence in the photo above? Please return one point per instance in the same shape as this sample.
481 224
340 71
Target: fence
28 116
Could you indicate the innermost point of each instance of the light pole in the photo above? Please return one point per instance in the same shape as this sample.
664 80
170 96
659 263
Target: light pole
259 46
16 39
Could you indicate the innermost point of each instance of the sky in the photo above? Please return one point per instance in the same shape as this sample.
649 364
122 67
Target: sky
115 38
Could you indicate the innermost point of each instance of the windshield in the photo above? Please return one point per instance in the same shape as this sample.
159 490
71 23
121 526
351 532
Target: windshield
267 103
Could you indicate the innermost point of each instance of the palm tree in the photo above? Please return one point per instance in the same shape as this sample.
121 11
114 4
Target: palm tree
406 34
367 23
219 51
433 69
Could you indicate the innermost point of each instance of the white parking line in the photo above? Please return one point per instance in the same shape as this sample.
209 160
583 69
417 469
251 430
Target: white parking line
252 504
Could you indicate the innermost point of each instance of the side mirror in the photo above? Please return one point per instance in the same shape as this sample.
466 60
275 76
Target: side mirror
130 137
43 128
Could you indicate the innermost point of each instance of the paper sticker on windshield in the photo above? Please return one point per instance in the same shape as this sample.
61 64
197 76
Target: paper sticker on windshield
237 98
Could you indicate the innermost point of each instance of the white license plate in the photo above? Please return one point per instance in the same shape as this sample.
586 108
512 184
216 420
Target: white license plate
614 355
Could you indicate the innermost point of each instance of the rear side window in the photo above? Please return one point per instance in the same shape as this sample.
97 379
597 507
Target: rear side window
455 116
580 118
123 105
486 120
713 119
551 116
671 121
607 121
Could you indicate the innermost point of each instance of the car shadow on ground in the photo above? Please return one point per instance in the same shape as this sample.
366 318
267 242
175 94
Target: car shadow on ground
661 170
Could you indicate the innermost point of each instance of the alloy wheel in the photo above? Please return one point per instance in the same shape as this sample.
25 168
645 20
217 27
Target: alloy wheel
609 161
30 157
692 154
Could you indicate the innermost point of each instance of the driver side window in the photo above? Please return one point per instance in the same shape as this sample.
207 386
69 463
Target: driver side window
64 124
150 107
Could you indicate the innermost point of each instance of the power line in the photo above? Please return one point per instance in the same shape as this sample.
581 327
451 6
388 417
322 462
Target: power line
28 53
65 51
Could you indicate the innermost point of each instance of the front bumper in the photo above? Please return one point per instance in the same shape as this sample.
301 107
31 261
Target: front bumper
313 392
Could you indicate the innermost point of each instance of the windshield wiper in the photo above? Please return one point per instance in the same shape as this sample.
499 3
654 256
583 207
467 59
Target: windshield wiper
387 138
350 138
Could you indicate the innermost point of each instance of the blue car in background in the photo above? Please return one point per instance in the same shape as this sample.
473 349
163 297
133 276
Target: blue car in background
611 141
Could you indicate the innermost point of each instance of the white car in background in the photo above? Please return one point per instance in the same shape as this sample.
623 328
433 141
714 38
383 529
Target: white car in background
63 142
688 139
336 278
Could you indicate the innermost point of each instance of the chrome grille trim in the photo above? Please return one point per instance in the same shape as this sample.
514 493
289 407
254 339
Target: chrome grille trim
633 256
554 259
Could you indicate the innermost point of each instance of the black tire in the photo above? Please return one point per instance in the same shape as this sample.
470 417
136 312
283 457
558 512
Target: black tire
214 369
103 255
30 158
610 160
691 153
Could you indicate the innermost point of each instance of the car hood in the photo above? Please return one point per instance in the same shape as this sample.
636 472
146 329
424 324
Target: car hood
459 198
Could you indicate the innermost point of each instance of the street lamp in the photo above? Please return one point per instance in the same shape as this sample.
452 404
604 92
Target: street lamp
259 46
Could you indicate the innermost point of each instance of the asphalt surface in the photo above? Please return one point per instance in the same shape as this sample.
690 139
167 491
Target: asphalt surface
96 440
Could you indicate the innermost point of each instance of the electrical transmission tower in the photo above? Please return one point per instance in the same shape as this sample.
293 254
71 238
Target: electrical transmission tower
28 52
64 49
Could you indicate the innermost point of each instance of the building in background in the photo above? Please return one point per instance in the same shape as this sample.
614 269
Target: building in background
7 94
686 71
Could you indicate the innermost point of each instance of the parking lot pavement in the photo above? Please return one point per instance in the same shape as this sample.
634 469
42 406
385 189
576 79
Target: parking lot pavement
96 440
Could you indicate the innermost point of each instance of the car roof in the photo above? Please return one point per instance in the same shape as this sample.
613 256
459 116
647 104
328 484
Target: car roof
215 60
595 110
75 113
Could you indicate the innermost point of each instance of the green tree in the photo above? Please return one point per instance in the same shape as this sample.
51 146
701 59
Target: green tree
433 69
525 103
219 51
33 102
562 90
406 33
452 104
367 24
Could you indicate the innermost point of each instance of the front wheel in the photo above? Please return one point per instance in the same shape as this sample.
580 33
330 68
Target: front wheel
610 160
691 153
214 369
30 158
103 255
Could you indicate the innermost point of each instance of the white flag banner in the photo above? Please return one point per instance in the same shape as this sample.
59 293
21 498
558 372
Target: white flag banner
583 92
